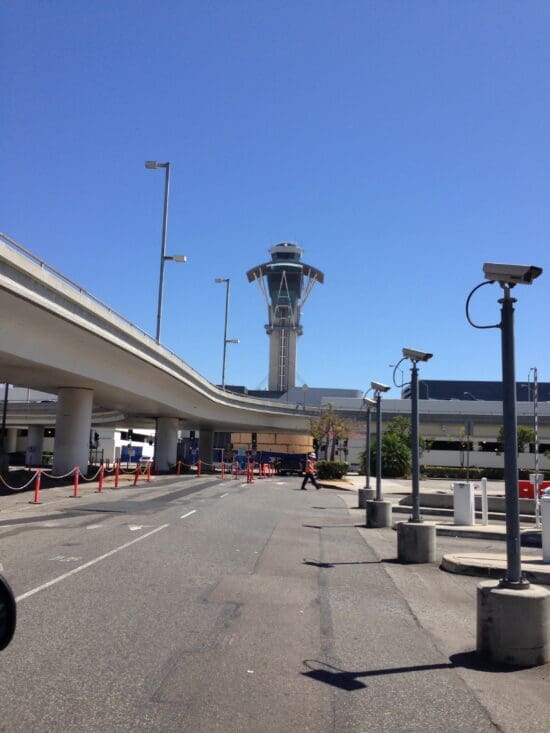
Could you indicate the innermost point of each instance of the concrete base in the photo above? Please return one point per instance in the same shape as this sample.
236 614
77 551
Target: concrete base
416 542
364 495
513 626
378 514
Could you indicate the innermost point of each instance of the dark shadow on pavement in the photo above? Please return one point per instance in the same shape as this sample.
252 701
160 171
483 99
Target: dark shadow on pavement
472 660
332 526
316 564
349 680
330 675
42 518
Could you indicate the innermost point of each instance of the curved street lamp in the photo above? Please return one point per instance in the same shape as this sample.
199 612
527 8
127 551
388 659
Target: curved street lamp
226 341
153 165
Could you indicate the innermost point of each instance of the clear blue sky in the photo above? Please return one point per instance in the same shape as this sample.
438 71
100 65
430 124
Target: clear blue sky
401 144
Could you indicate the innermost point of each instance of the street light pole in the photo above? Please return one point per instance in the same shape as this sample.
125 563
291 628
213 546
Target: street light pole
152 164
225 330
226 341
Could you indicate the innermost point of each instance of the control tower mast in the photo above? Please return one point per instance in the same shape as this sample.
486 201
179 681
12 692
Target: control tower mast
285 284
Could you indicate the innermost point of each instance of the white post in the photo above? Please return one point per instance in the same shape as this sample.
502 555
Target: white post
484 502
545 511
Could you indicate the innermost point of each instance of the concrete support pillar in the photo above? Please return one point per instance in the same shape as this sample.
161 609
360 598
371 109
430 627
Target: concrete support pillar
11 440
35 445
416 542
513 626
166 446
72 429
378 514
206 448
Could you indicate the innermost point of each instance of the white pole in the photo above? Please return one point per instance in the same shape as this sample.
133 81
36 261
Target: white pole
484 502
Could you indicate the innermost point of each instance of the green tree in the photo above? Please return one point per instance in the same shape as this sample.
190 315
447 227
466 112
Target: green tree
401 427
328 429
524 437
396 449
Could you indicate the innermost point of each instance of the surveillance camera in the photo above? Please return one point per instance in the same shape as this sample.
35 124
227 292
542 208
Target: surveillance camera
368 402
380 387
416 355
511 274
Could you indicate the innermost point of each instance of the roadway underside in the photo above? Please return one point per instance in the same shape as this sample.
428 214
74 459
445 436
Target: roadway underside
196 604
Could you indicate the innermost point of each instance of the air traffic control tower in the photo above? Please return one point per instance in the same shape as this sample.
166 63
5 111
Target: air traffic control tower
285 284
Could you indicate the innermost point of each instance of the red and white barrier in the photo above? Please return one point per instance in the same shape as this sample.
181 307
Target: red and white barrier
76 482
37 487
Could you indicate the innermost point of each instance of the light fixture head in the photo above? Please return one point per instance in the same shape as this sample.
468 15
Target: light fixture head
511 274
416 355
221 280
151 164
232 341
379 387
179 258
368 402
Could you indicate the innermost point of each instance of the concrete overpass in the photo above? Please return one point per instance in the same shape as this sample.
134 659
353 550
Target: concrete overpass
57 337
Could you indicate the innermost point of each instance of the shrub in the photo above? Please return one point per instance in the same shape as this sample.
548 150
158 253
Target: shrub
331 469
396 456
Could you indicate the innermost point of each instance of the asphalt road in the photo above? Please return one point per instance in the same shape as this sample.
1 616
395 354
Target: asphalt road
195 604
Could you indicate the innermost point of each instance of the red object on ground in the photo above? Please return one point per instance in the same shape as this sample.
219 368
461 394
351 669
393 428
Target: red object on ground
526 490
37 487
76 475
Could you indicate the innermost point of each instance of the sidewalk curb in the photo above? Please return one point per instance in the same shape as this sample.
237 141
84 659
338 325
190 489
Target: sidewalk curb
477 567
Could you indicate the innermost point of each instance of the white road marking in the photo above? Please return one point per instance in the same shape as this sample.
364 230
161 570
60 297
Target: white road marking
65 558
188 514
93 526
226 494
135 527
87 564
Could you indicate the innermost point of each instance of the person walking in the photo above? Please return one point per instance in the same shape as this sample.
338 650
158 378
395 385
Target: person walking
310 472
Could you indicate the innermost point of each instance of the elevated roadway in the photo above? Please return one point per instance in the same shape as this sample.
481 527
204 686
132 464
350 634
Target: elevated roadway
57 337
